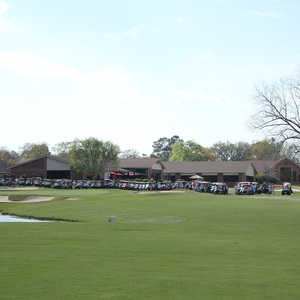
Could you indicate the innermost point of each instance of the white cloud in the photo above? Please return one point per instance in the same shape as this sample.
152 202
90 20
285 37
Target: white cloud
185 96
112 84
266 14
131 33
180 20
183 19
3 7
205 56
111 36
134 32
100 104
6 24
109 104
29 65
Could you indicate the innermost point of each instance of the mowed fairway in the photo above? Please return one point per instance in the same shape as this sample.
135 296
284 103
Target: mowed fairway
162 246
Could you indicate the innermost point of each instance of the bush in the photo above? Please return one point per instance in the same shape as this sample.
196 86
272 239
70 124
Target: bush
261 178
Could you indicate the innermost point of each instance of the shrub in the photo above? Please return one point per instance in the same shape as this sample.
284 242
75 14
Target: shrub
261 178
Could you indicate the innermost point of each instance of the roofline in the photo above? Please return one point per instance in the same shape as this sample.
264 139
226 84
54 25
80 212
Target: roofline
35 159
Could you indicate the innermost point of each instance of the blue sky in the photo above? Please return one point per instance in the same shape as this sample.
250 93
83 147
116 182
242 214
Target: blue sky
133 71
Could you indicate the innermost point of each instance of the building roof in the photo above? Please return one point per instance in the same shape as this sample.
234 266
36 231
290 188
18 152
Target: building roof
57 158
261 166
208 167
3 167
137 162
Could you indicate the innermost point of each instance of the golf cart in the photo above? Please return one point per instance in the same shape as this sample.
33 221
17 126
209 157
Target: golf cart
219 188
244 188
286 189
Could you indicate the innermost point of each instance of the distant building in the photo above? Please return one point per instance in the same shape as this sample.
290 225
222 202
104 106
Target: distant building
284 169
3 169
51 167
148 167
223 171
215 171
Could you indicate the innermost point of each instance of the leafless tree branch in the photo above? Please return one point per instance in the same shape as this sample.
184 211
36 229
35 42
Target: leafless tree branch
279 110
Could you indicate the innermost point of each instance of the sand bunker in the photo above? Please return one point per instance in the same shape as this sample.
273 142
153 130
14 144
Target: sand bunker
290 198
160 192
28 199
71 199
19 188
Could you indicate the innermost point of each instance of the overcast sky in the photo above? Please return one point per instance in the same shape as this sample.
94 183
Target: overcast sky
132 71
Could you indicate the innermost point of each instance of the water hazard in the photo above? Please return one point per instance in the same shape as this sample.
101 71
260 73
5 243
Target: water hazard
5 218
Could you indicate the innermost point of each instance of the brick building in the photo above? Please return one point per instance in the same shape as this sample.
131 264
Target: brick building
148 167
284 169
214 171
3 169
51 167
222 171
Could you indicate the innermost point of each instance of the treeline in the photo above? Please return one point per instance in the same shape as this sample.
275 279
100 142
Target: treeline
93 156
176 149
86 156
165 149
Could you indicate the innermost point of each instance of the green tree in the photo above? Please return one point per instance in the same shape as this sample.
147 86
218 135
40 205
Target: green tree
62 149
162 148
130 153
267 150
8 157
261 178
92 156
229 151
189 151
31 151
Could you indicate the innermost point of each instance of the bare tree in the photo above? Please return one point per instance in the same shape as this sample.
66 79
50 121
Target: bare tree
130 153
279 110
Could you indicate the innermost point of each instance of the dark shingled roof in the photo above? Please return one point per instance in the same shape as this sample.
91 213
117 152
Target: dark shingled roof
3 167
261 166
192 167
137 162
57 158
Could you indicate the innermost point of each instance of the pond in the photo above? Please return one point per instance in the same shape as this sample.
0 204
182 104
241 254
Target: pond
6 218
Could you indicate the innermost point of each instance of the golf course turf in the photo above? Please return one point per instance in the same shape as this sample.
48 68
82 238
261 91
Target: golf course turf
161 246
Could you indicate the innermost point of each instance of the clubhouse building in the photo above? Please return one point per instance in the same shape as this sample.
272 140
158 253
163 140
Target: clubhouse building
3 169
215 171
51 167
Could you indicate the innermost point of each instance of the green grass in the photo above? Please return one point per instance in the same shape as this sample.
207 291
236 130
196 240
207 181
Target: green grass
162 246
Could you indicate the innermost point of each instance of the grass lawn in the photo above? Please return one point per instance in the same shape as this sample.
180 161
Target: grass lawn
162 246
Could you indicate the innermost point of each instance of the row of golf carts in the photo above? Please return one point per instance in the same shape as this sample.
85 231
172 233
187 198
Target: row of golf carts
88 184
204 186
242 188
251 188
